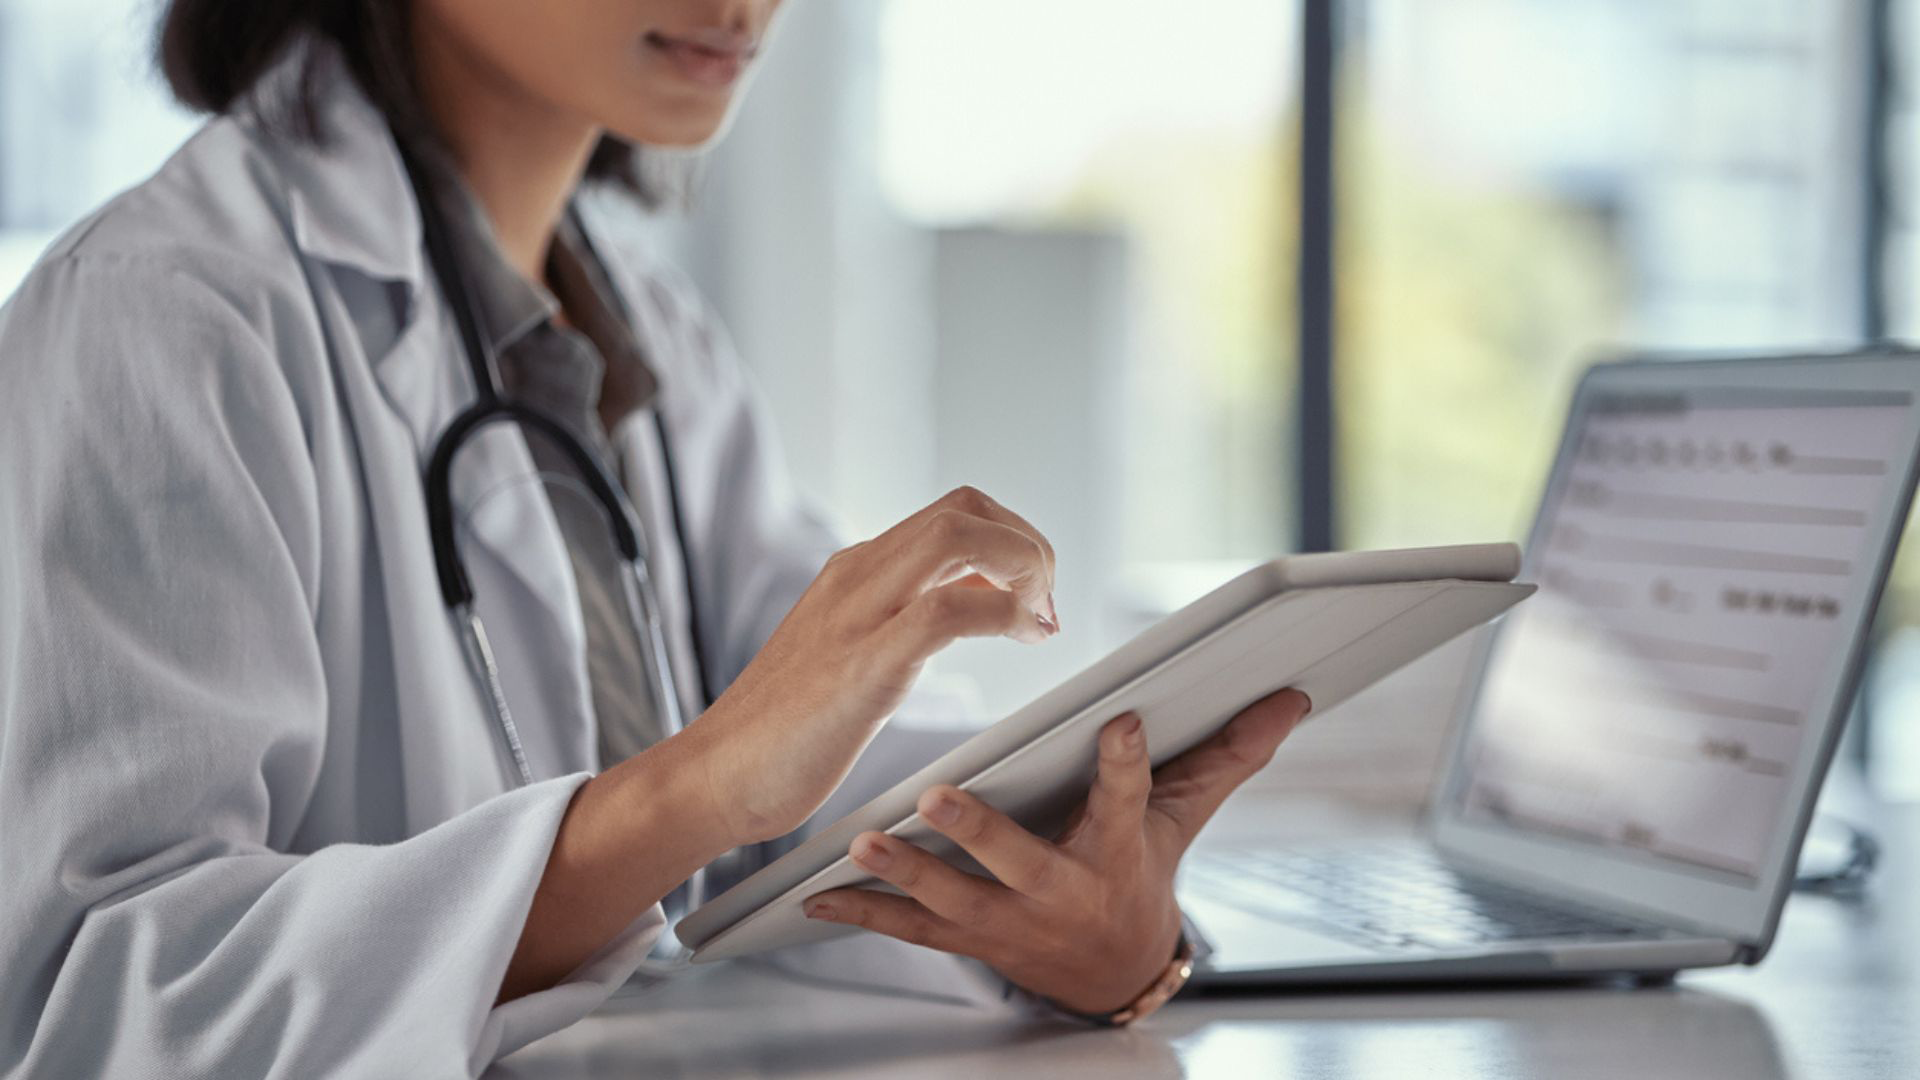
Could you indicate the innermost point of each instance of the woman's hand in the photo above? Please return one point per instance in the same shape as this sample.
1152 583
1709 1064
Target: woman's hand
786 732
1087 919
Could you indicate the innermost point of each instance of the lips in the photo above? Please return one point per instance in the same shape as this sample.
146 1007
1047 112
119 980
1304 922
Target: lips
707 57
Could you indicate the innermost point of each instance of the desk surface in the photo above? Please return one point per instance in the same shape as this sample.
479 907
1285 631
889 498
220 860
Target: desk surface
1838 997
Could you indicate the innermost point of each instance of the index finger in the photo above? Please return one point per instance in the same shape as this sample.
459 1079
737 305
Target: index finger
971 500
993 511
1020 860
952 543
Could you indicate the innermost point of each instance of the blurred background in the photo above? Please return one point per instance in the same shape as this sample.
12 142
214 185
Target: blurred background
1192 285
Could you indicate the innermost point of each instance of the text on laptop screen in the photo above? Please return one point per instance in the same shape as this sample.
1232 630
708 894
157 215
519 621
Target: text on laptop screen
1694 564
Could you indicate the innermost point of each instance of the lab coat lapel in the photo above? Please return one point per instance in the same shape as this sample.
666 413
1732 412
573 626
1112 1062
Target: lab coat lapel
352 209
509 539
426 383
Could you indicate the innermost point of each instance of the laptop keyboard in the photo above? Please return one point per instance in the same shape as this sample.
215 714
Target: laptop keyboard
1393 898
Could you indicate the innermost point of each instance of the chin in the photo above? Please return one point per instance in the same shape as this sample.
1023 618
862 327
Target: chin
676 127
672 137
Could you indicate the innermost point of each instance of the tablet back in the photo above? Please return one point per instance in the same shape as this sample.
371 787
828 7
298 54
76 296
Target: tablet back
1276 626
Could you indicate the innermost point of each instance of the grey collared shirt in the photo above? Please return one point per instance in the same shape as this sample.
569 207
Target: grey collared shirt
588 376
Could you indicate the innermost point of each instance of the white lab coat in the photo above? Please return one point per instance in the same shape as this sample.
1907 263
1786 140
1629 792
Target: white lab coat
254 817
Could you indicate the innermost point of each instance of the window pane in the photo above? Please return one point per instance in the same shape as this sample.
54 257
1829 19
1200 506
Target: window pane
1173 134
1892 701
1527 186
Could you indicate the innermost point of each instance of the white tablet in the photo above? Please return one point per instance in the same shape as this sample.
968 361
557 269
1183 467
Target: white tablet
1329 624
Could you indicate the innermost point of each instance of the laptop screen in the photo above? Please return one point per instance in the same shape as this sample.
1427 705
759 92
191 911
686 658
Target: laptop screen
1694 557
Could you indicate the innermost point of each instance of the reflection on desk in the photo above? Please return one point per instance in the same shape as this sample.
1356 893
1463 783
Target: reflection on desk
1837 998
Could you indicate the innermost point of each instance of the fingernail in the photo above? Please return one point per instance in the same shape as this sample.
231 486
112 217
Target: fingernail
818 910
873 856
1053 616
944 810
1130 730
1046 624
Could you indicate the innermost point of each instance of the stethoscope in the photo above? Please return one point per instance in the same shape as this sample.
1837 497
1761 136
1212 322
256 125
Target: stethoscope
491 405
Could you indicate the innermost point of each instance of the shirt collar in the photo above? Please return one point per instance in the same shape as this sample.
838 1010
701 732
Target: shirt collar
575 270
510 307
506 303
351 204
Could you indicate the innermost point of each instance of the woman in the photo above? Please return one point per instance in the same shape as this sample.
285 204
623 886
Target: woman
255 814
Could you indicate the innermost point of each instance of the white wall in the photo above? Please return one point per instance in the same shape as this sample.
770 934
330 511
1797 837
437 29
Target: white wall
899 361
1032 343
826 292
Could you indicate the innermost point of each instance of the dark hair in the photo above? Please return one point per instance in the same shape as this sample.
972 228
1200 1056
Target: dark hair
213 52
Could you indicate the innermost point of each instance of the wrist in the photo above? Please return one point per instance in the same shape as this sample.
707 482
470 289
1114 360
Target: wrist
667 806
722 784
1171 980
1147 966
628 838
1171 968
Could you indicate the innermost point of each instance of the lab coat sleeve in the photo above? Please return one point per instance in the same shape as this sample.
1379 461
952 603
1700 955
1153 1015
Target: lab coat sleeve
162 702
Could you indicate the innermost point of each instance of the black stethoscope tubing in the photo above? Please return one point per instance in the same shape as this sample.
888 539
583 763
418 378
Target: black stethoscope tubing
492 406
456 588
671 474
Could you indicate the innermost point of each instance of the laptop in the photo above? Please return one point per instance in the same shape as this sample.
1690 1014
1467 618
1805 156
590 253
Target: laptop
1637 749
